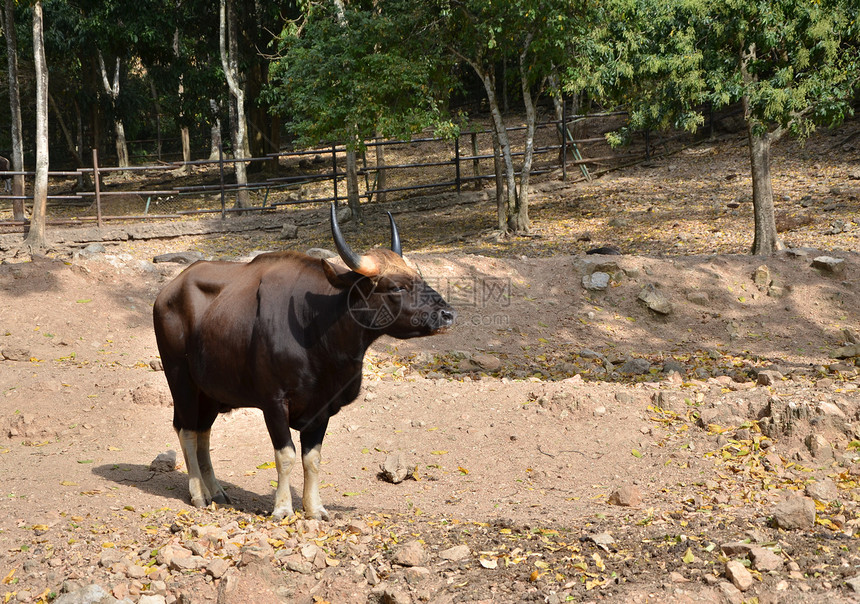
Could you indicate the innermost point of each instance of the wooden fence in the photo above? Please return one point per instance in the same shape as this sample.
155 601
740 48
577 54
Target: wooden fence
182 189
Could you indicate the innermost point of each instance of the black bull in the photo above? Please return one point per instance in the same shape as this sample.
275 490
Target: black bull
285 333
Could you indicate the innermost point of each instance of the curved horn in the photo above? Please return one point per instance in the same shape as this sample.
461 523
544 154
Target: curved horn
360 264
395 236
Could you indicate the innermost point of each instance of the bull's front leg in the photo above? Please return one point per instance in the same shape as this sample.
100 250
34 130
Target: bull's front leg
311 456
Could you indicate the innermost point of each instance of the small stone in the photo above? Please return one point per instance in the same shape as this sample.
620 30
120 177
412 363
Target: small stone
819 447
655 299
853 583
289 231
152 599
828 264
410 554
733 549
731 593
738 574
761 276
635 366
188 257
626 496
393 469
318 252
487 362
182 563
15 353
823 490
596 281
768 377
676 577
417 574
794 512
85 595
217 567
764 560
456 553
164 462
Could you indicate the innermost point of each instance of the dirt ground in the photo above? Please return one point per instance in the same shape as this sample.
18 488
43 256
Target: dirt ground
563 443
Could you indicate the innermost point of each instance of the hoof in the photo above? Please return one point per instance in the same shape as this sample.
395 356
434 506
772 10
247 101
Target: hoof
281 513
199 502
222 499
318 514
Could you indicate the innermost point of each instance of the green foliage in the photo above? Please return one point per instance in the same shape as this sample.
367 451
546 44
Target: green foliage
349 80
795 61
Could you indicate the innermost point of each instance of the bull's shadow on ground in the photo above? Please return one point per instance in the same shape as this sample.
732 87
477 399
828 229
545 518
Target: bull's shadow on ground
174 485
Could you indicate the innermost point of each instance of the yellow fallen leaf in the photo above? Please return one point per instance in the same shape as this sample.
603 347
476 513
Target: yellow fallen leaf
598 561
440 452
10 576
266 466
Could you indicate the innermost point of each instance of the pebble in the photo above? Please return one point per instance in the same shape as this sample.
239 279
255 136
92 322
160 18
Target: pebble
456 553
738 574
626 496
794 512
410 554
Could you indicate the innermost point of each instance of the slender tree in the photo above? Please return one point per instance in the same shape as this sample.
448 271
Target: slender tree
230 63
35 240
15 127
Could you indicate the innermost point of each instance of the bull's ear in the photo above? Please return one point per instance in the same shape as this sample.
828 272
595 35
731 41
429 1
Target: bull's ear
338 276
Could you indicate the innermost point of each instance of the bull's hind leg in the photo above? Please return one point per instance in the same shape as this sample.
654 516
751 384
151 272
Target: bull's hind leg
204 462
189 440
311 457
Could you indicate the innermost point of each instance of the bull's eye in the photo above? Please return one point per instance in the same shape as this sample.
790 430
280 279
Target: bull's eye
396 289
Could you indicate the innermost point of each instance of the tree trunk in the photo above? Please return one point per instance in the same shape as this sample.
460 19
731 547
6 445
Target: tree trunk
112 90
215 131
35 240
381 174
766 240
352 198
498 166
67 134
519 222
230 64
15 128
504 143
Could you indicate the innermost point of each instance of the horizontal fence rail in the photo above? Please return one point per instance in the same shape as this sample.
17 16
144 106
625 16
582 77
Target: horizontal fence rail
204 187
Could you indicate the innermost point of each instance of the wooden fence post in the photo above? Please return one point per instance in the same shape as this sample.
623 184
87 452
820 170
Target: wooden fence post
457 162
334 170
221 176
97 188
476 163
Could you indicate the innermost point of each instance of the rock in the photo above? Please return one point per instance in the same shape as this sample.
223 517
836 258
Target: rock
487 362
15 353
700 298
393 469
768 377
626 496
188 257
318 252
156 365
761 276
456 553
152 599
596 281
417 574
738 574
733 549
164 462
764 560
410 554
731 593
635 366
655 299
289 231
602 540
828 264
825 408
794 512
91 594
183 563
676 577
853 583
819 447
217 567
823 490
848 351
